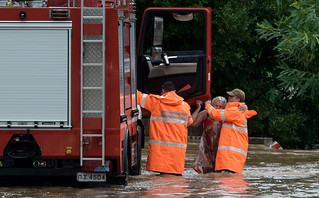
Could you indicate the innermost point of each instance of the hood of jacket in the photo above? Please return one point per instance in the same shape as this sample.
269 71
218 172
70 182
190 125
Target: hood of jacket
170 98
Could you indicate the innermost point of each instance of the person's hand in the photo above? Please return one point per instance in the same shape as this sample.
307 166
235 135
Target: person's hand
208 102
199 103
243 108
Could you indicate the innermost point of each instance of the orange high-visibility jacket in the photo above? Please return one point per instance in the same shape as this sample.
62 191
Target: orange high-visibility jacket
233 140
170 116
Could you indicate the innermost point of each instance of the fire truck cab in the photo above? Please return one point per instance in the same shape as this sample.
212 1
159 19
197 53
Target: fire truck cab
69 71
175 45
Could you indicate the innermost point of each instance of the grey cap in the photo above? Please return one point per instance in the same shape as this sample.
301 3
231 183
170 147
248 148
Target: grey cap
237 92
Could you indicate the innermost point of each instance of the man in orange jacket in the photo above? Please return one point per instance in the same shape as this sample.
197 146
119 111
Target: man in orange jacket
233 140
170 116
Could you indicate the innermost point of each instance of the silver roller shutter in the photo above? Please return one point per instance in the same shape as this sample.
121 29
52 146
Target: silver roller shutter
35 73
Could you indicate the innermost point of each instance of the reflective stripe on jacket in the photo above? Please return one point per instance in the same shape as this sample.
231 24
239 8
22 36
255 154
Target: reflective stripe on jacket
170 116
233 141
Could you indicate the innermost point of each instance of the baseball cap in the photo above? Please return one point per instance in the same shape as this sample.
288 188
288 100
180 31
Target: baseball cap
237 92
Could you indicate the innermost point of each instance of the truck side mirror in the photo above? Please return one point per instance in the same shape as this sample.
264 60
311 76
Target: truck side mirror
158 37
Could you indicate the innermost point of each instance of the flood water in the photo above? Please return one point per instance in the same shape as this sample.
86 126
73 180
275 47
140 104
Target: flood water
267 173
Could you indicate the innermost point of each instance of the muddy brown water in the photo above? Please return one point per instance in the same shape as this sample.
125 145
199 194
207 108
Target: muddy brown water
267 173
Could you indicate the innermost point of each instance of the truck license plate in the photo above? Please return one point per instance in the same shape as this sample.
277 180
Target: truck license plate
91 177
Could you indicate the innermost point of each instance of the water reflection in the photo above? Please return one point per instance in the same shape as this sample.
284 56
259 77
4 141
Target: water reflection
232 184
166 185
267 173
192 184
217 184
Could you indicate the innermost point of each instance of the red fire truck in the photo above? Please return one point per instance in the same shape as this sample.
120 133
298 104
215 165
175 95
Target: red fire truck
68 82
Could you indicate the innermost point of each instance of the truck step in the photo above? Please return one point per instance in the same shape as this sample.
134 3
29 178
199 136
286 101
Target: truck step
93 41
92 111
93 17
92 64
92 135
93 88
92 158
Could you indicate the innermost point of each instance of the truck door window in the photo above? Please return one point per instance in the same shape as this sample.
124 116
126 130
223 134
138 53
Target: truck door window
173 47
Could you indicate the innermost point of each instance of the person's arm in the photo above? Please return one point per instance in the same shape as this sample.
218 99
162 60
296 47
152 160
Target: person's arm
228 115
139 98
199 119
144 100
195 113
189 116
213 113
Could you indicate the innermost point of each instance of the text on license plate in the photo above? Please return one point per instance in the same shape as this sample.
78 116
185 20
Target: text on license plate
91 177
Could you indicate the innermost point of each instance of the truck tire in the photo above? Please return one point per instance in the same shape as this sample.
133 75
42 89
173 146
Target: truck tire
136 169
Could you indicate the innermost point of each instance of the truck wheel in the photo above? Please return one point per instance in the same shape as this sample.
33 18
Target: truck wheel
136 170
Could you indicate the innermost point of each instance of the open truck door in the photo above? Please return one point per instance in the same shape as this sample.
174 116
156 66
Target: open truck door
175 45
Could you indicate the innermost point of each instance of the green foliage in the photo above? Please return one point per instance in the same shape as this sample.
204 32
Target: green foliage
234 34
299 81
297 35
295 32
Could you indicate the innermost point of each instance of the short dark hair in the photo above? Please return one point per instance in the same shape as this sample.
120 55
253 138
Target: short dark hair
168 86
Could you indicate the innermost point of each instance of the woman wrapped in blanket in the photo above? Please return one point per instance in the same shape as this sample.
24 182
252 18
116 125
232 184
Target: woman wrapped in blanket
208 146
